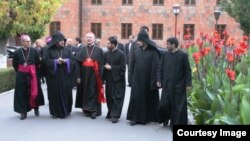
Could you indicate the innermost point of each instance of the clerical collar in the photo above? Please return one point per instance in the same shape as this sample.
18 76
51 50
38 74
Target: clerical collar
90 46
144 47
174 51
59 47
24 48
114 49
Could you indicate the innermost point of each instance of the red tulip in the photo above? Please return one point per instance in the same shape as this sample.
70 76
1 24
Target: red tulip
230 57
230 74
197 57
205 51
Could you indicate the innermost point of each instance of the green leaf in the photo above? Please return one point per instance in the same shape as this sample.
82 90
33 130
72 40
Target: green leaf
221 101
199 119
203 104
239 10
237 88
244 110
216 106
28 16
228 120
210 95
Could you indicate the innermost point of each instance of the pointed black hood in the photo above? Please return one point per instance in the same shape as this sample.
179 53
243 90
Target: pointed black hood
143 36
57 37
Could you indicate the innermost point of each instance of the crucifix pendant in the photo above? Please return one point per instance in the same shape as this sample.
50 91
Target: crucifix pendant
25 64
88 60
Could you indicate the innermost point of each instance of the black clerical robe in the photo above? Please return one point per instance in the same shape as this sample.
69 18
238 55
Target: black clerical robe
59 80
115 82
27 79
175 75
131 55
88 91
144 97
73 49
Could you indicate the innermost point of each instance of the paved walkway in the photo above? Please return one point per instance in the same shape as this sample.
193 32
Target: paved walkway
77 127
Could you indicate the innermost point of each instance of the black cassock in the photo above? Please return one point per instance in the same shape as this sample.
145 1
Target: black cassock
175 75
115 82
59 80
73 49
87 90
144 97
23 83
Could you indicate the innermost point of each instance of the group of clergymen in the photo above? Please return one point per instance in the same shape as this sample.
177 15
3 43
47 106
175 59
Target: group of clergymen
88 68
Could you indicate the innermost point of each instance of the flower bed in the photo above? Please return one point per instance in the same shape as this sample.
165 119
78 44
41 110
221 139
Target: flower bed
221 79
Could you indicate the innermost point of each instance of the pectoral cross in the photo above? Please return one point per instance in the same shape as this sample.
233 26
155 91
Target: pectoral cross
88 60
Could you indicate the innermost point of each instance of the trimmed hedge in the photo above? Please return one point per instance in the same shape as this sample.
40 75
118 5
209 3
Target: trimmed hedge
7 79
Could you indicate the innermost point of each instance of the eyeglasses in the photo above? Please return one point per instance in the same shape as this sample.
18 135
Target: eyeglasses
27 41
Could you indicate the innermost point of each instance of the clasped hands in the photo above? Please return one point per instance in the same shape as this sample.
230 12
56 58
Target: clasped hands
60 61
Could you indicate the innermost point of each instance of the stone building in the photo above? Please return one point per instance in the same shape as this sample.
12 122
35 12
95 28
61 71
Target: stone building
124 17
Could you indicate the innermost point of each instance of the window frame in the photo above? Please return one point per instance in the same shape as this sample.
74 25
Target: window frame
96 2
218 2
190 2
56 25
220 28
128 27
158 2
96 28
127 2
192 31
157 31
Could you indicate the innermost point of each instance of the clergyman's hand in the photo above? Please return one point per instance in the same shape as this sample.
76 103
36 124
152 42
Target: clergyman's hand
78 80
158 84
107 66
59 61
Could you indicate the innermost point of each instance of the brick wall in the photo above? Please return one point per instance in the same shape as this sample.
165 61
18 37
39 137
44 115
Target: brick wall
68 16
111 14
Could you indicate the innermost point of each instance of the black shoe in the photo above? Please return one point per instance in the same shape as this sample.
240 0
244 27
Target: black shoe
108 116
93 115
23 116
87 114
54 117
133 123
37 113
114 120
165 124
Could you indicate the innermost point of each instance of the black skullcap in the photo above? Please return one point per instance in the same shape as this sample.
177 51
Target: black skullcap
144 27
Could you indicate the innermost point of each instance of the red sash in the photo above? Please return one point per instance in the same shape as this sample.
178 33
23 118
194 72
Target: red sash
31 69
95 65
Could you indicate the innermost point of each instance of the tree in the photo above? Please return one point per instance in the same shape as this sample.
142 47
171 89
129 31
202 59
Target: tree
240 11
26 16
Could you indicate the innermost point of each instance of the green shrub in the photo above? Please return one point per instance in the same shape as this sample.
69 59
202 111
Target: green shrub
7 79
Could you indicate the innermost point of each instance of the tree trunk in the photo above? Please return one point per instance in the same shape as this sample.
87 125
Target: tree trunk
3 43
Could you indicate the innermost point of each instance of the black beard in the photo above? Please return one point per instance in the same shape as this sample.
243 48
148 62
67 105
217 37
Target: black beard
58 45
110 49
